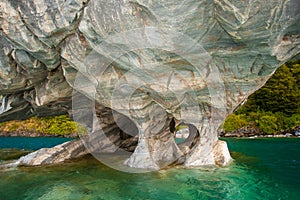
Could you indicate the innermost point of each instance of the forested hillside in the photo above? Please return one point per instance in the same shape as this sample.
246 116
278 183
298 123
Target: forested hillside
273 108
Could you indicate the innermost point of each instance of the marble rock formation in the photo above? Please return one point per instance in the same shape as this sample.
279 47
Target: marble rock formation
146 63
57 154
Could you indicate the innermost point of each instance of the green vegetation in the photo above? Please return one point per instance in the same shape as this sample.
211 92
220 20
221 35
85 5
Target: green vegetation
57 125
179 127
273 108
234 122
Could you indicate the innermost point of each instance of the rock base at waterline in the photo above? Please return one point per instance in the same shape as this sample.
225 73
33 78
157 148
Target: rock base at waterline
54 155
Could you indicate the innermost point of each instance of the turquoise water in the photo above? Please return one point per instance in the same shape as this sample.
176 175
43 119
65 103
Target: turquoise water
263 169
14 147
30 143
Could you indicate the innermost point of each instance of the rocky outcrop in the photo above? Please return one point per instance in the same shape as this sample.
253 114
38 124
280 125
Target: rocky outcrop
49 156
147 61
54 155
254 131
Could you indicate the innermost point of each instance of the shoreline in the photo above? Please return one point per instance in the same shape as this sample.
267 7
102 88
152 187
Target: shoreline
260 137
17 134
254 132
251 136
75 136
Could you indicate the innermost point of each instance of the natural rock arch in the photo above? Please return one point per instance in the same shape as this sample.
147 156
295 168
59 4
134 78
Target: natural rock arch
240 44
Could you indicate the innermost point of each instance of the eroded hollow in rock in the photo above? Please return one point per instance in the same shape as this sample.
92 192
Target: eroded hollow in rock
112 132
186 137
128 132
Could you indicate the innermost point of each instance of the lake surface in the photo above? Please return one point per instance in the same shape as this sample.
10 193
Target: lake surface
263 169
31 143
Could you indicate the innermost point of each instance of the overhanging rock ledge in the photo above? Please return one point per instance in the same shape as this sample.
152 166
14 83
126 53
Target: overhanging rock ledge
146 63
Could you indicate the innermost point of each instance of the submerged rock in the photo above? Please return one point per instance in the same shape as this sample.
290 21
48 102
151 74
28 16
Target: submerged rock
12 154
146 61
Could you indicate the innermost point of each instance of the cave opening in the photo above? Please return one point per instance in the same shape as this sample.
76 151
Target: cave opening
185 135
127 132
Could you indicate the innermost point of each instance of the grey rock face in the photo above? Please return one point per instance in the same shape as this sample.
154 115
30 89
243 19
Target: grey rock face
150 61
57 154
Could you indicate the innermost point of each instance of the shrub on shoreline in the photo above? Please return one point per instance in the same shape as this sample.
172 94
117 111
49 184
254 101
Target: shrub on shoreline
53 126
266 122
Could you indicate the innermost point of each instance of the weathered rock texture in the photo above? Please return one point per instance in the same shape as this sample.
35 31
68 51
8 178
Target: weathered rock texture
150 60
57 154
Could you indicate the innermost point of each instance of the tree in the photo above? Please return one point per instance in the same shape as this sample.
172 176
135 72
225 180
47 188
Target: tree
280 94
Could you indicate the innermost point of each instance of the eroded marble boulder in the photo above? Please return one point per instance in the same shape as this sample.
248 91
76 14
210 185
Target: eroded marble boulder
151 61
54 155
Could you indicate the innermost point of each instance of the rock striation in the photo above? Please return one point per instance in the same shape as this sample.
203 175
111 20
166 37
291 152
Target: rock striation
144 63
57 154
